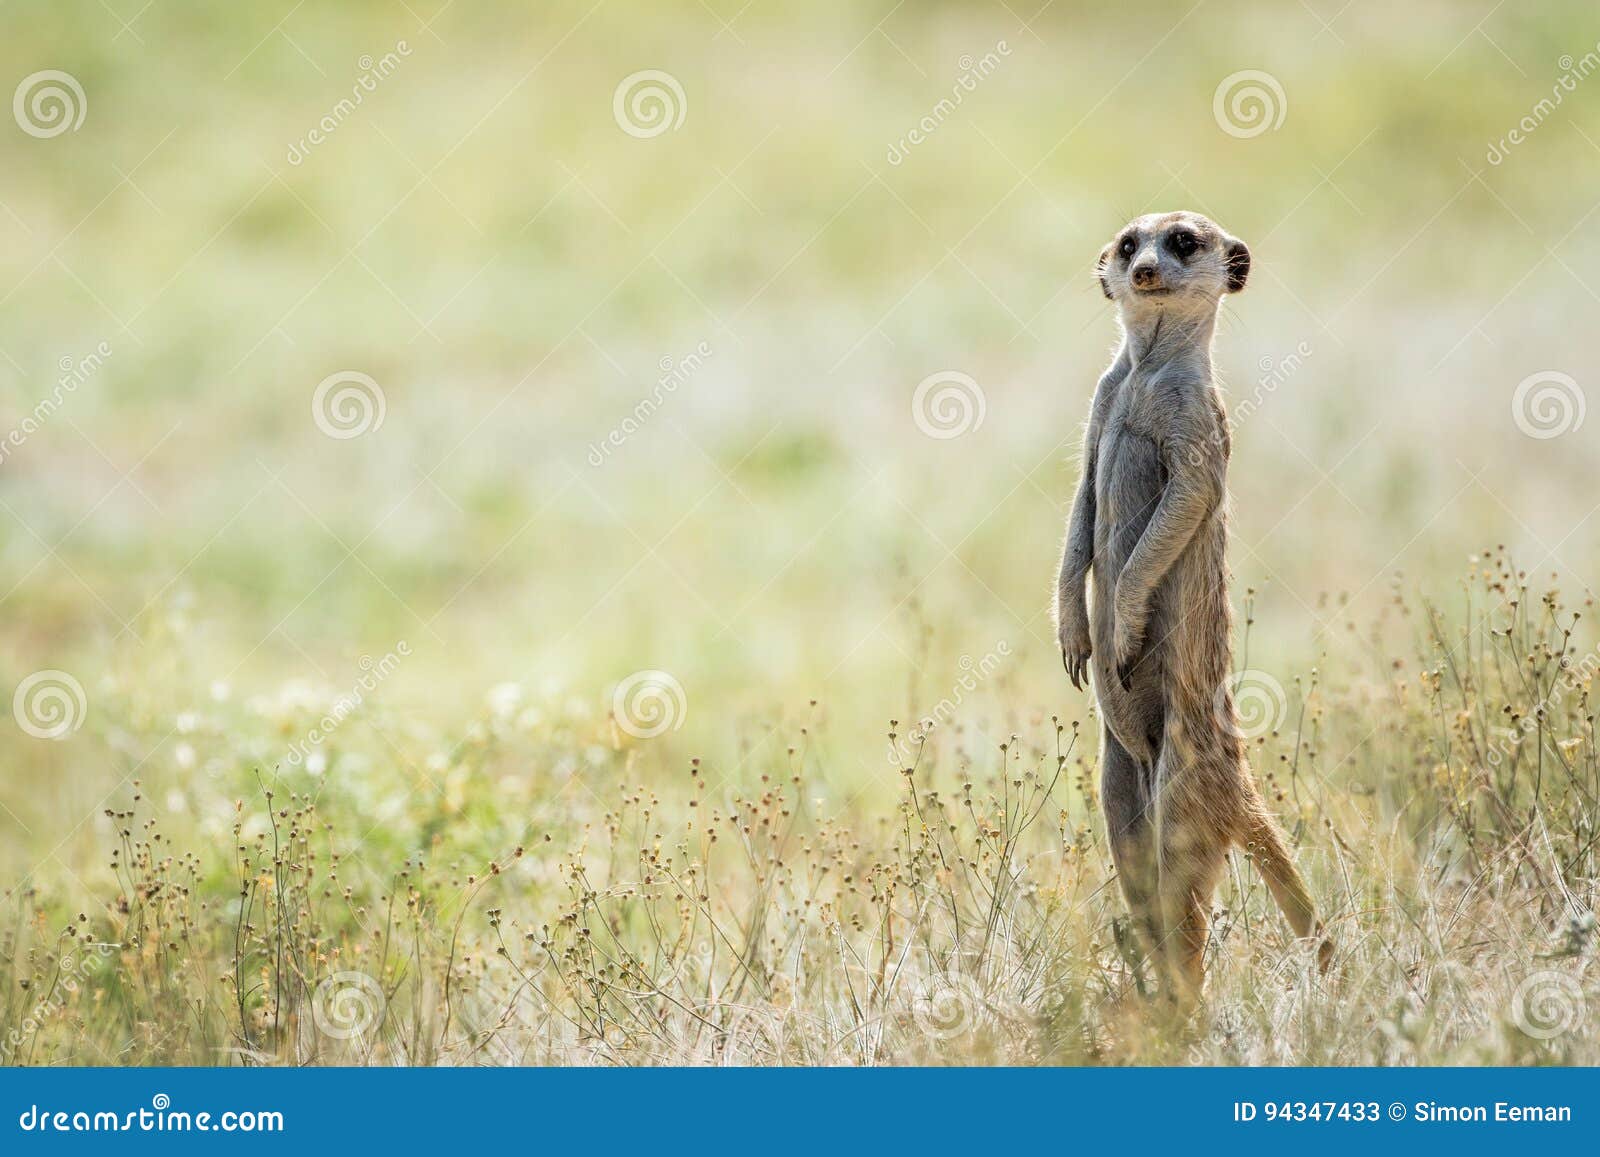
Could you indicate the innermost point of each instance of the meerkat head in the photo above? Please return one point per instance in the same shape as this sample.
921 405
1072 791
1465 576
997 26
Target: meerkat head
1171 262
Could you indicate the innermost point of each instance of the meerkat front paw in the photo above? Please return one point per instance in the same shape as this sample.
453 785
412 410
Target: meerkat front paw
1072 631
1127 640
1073 635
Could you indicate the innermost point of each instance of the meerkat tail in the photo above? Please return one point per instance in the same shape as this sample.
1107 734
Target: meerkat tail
1265 842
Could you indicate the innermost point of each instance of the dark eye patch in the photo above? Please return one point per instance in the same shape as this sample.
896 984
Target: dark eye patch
1183 243
1127 246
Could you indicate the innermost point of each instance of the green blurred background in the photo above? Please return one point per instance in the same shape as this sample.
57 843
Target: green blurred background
483 239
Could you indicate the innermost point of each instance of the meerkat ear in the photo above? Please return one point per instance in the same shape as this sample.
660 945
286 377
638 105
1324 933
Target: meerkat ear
1100 272
1238 259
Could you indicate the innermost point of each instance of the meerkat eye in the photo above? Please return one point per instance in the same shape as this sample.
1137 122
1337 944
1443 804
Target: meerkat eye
1183 243
1127 247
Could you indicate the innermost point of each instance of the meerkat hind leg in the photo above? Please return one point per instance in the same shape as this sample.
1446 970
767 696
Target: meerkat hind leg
1186 911
1132 836
1193 774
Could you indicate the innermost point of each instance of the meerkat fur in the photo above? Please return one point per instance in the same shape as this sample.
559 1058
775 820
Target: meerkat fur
1149 530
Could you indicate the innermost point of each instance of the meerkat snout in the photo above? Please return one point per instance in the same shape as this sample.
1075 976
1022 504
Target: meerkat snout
1145 276
1176 260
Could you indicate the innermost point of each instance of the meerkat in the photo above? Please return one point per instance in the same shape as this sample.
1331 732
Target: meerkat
1149 526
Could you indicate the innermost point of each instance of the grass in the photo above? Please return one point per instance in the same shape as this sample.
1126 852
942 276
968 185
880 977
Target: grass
320 691
576 900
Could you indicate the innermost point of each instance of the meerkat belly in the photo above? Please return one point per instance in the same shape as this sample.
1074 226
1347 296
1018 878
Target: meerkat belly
1130 483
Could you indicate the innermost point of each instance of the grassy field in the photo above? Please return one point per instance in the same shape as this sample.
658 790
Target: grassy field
484 528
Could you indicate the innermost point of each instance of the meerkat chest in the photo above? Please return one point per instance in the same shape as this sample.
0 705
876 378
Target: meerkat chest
1131 472
1139 407
1168 409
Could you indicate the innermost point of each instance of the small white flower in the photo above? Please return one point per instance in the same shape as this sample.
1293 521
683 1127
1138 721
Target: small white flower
505 698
